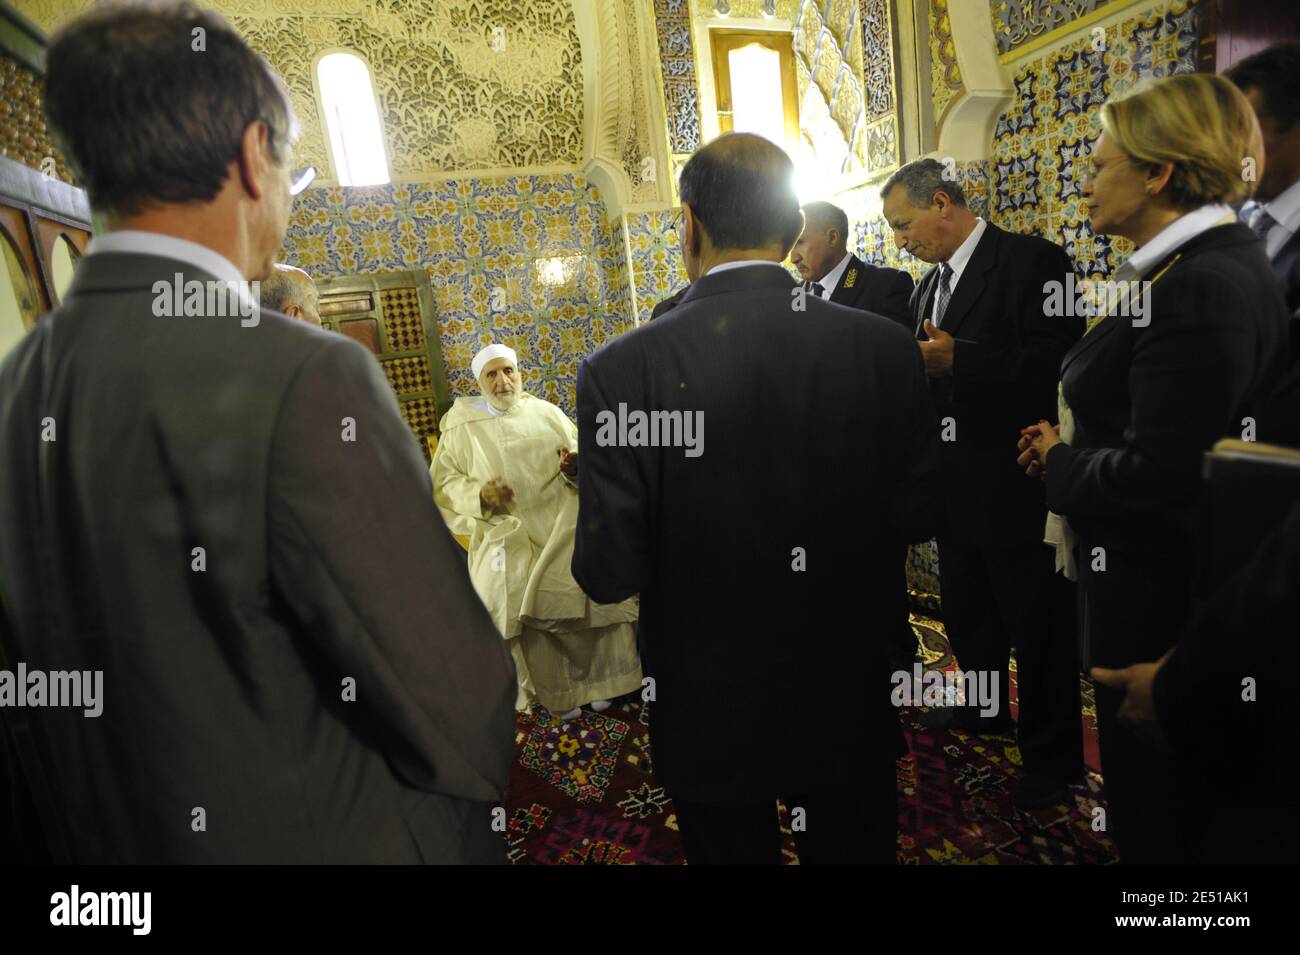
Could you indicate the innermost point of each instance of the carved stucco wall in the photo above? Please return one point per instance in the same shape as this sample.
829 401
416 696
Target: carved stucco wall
880 71
677 65
449 101
473 233
945 75
1018 22
626 153
845 69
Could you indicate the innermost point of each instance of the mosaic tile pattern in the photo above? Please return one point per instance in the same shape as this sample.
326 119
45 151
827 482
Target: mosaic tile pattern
1041 143
656 260
527 260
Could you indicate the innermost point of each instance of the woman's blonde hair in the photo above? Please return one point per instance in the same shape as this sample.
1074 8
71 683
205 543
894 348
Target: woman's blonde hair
1202 124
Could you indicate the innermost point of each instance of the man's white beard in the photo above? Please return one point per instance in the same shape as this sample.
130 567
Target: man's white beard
504 404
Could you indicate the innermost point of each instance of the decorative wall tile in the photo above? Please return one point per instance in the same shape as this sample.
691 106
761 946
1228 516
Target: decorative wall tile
527 260
657 267
1042 142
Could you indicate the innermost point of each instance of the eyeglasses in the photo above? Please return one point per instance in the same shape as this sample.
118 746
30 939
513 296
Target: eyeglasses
301 179
1093 169
671 227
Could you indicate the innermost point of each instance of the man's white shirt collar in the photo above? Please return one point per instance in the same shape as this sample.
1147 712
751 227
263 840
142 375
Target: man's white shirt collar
139 242
831 280
743 263
957 261
1178 233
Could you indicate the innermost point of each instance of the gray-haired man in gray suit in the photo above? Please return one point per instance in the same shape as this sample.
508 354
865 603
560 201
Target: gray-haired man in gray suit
225 518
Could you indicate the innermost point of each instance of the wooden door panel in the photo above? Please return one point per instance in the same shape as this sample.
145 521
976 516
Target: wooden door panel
392 315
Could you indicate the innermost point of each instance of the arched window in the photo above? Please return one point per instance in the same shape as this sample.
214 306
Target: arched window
356 138
754 75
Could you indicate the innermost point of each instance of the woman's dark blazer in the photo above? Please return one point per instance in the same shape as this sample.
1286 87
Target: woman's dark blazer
1150 395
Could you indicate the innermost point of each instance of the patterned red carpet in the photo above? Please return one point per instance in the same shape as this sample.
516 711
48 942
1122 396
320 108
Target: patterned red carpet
583 792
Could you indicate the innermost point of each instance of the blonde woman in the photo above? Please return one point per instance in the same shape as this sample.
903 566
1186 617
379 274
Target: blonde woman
1167 367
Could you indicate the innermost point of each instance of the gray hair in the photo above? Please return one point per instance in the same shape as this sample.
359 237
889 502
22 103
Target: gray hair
149 104
825 213
922 178
282 289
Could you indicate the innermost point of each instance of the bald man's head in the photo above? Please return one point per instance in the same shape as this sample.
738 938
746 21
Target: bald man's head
740 188
291 291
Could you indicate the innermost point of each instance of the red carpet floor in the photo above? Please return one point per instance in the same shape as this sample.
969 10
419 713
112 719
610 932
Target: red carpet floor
583 792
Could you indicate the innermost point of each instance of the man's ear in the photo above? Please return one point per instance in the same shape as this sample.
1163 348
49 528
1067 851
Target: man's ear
293 311
254 158
692 235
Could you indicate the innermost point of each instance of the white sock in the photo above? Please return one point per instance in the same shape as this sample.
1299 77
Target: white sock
573 714
600 706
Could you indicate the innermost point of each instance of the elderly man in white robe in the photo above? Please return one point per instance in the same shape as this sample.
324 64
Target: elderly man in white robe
504 475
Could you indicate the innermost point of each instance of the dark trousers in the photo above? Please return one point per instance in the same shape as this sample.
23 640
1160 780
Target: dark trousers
996 599
856 824
1145 812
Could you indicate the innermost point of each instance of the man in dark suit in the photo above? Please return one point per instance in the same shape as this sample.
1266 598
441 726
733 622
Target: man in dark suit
1269 80
1219 697
762 555
830 270
992 354
225 516
668 304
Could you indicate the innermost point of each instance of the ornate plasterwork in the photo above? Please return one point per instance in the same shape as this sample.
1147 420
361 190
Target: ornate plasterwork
829 54
880 76
945 74
677 62
1016 22
453 96
624 157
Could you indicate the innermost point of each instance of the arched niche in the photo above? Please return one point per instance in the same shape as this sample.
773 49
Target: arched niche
19 306
63 262
966 132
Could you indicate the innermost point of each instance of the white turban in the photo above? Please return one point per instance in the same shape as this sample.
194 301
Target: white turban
489 353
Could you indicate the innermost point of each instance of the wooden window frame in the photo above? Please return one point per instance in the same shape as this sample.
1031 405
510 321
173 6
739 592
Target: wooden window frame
722 42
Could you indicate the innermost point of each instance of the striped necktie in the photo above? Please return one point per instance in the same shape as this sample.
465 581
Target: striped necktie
945 293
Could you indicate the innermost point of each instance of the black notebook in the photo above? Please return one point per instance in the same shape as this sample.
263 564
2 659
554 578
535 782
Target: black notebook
1249 488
